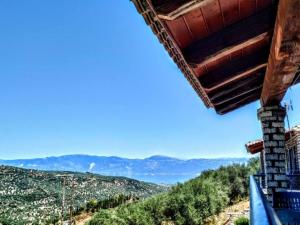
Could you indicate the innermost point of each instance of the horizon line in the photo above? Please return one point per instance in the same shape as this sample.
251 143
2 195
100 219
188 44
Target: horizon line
135 158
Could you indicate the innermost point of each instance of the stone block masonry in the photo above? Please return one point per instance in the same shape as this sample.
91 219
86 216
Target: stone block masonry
272 122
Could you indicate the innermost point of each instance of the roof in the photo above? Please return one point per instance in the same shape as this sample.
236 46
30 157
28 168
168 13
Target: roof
257 146
254 147
223 46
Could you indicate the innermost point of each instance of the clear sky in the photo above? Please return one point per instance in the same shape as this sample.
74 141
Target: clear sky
89 77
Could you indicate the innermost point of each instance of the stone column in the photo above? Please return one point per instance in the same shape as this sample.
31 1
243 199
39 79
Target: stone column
272 121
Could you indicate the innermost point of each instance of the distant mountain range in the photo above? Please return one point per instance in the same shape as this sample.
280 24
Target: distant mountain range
156 169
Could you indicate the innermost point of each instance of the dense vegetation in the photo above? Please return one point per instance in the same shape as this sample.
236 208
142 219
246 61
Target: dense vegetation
242 221
190 203
35 197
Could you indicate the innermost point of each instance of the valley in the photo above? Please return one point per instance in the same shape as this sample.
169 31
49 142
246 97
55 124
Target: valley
35 197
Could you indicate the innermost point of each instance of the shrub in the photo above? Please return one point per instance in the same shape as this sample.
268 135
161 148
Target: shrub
242 221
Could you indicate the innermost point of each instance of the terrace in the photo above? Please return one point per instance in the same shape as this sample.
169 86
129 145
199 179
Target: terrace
286 202
234 52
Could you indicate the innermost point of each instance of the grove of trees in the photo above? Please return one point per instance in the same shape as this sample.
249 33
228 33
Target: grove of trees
190 203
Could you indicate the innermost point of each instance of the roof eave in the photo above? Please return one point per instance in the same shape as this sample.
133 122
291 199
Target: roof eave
145 8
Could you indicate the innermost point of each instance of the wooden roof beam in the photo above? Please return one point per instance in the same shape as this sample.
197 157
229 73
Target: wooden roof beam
238 95
234 70
240 76
254 30
254 82
262 39
253 79
284 58
237 103
171 10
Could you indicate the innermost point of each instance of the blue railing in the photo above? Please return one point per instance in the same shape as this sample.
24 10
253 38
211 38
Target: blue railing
294 180
261 179
287 200
261 212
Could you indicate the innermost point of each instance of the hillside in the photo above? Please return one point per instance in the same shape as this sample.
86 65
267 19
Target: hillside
191 203
28 196
156 169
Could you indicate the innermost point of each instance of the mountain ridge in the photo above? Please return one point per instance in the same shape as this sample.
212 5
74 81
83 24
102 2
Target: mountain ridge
119 157
156 168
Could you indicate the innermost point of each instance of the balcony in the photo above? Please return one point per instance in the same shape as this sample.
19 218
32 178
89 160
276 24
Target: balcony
285 210
294 180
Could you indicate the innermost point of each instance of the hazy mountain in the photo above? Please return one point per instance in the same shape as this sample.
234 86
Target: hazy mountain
157 169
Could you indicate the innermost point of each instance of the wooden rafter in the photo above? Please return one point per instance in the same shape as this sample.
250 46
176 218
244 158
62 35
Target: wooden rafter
234 69
263 38
240 88
237 95
284 58
245 74
232 88
179 10
251 31
239 102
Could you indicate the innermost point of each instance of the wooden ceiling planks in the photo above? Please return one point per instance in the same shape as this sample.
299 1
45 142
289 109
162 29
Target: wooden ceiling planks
230 11
247 7
213 16
284 59
180 32
167 6
196 24
233 38
221 46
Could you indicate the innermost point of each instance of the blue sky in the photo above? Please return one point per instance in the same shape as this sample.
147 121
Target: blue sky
89 77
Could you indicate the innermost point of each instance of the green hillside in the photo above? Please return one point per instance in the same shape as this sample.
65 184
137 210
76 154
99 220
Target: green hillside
190 203
34 197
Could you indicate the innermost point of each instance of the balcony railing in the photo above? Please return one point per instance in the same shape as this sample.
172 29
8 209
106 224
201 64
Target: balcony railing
260 178
261 212
287 200
294 180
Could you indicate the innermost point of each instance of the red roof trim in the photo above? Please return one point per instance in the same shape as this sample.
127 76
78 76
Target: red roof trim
257 146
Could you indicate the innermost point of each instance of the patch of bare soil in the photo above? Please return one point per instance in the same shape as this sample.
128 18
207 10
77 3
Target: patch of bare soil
232 213
83 218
